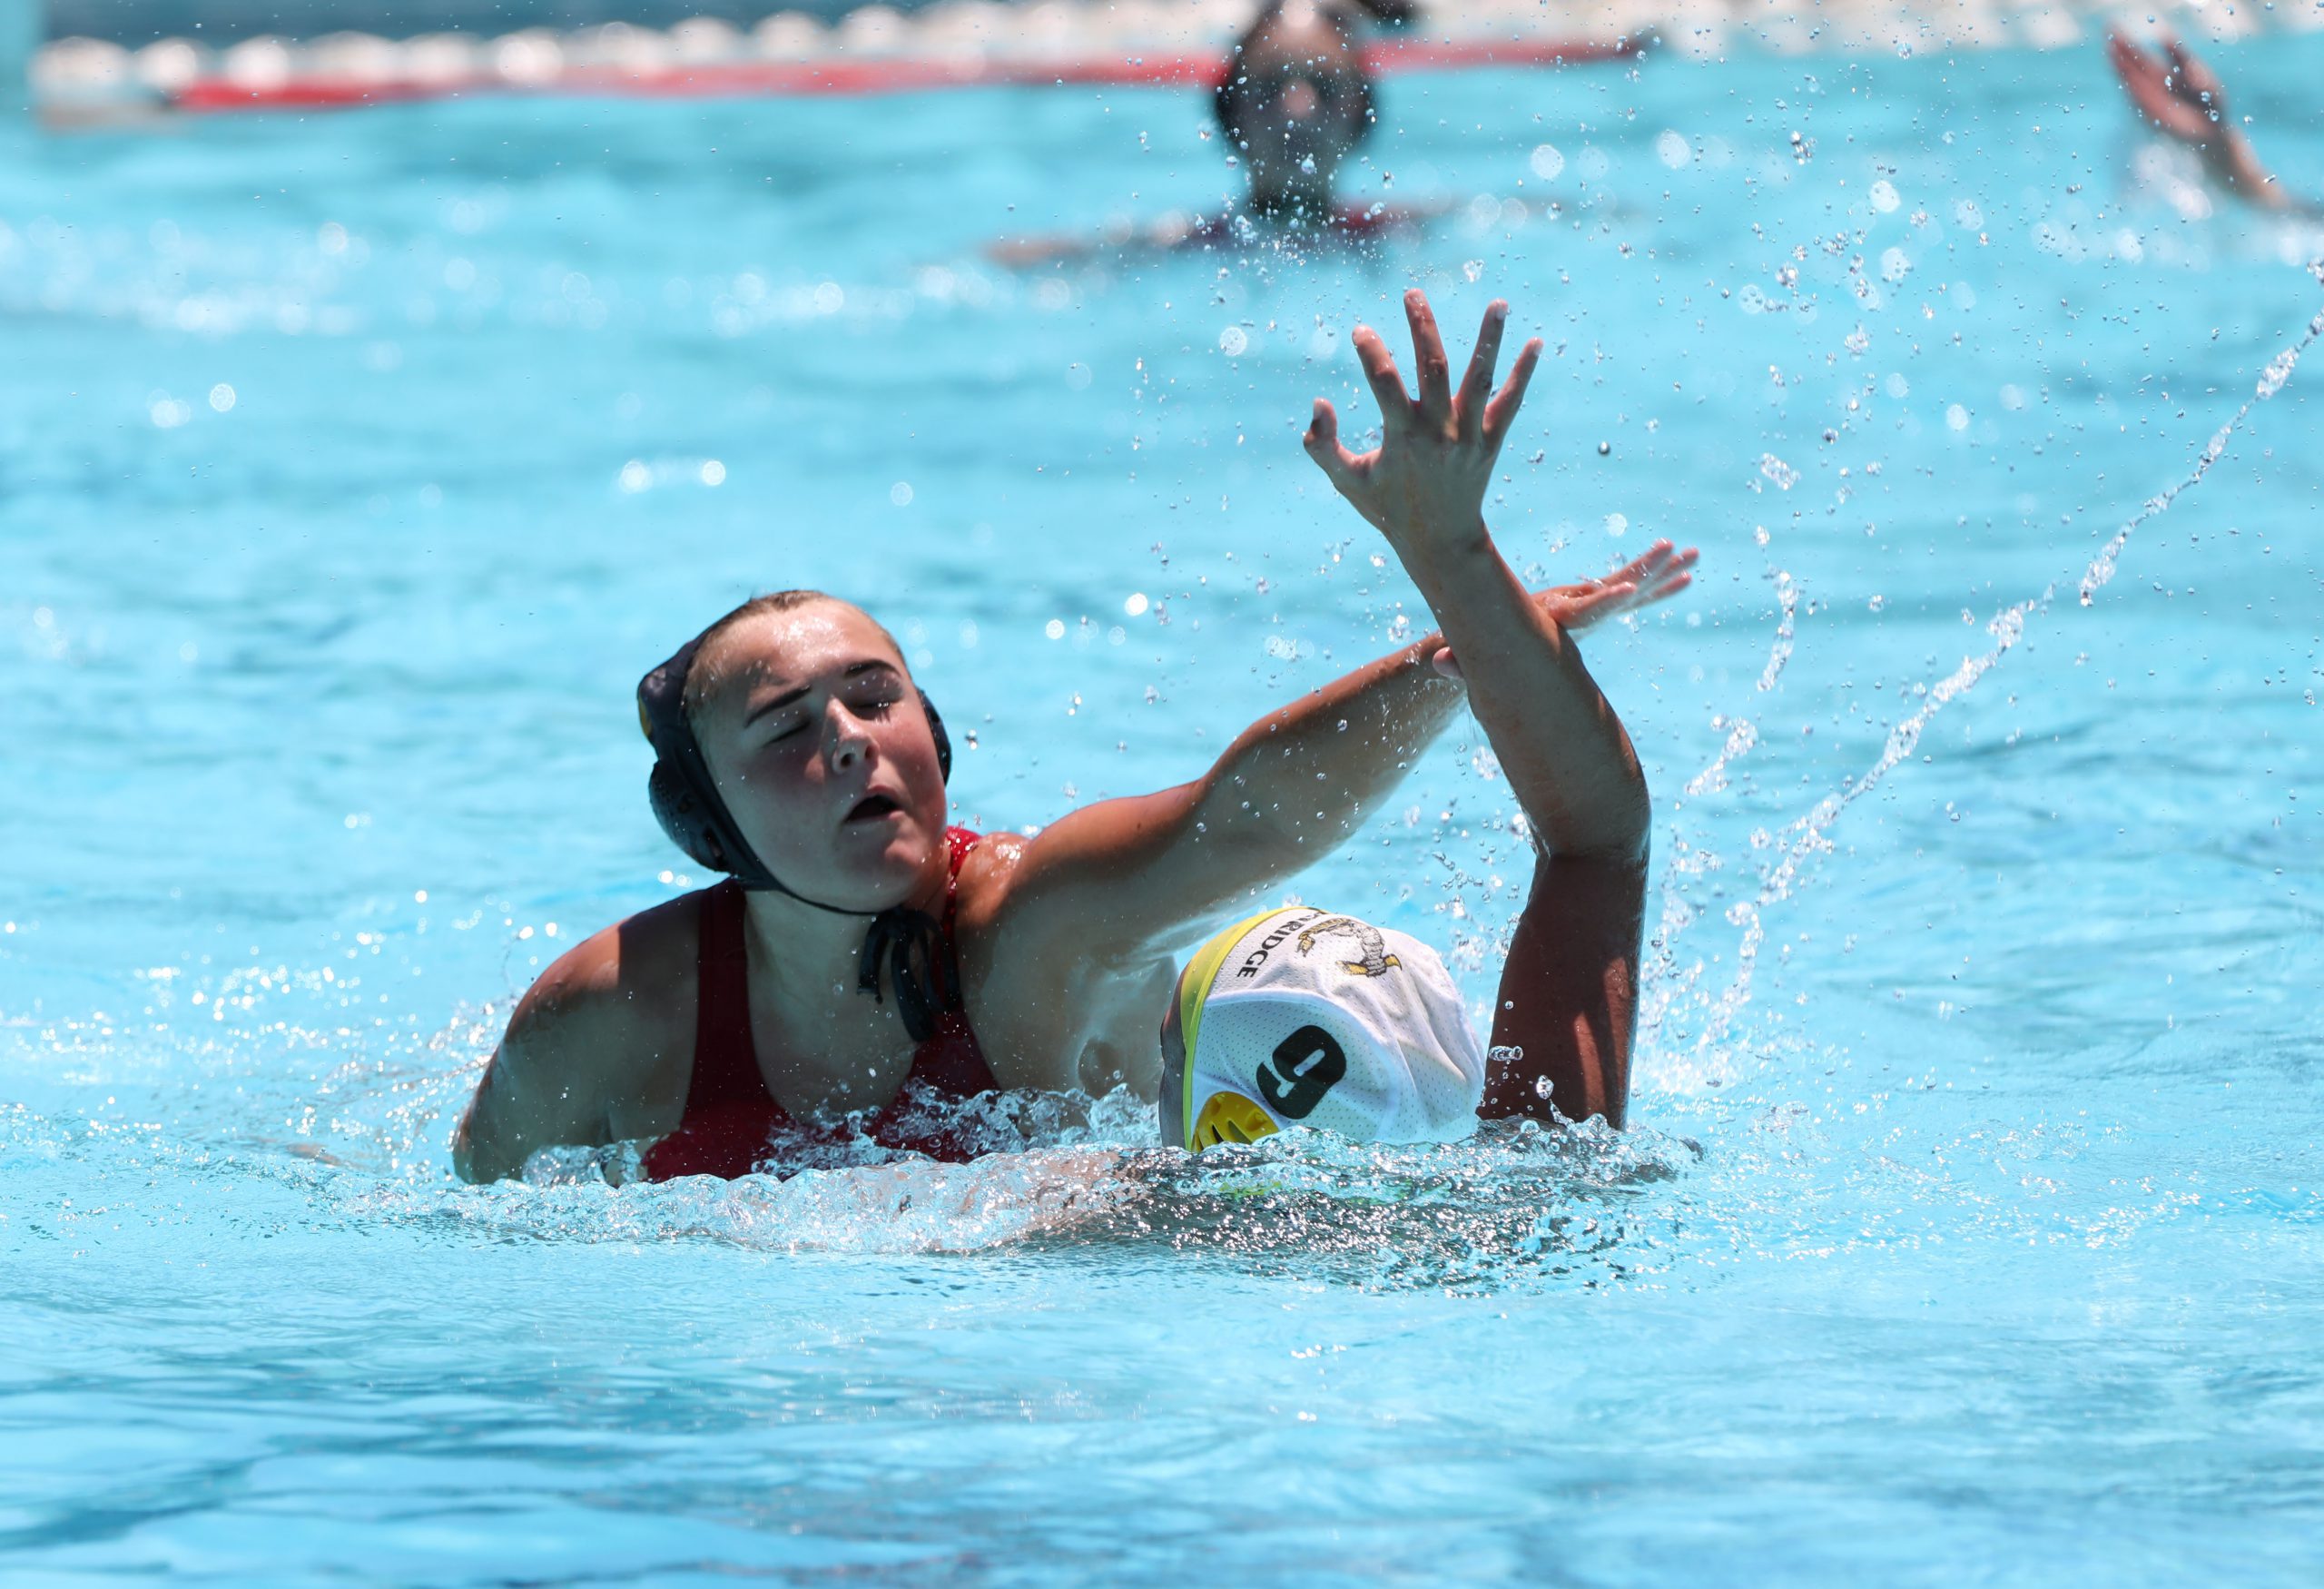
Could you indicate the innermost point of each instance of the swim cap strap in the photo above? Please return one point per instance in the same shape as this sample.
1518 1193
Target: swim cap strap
912 946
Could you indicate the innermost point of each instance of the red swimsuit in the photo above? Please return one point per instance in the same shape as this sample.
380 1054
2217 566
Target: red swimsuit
732 1119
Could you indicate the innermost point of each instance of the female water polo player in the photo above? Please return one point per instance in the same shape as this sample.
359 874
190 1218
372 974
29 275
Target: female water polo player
864 959
1302 1016
1296 102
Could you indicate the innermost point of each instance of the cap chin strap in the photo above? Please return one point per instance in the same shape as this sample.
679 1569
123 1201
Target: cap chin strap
909 942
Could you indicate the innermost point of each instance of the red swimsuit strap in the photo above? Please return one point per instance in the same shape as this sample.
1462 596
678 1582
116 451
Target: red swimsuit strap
730 1115
951 1061
725 1060
729 1112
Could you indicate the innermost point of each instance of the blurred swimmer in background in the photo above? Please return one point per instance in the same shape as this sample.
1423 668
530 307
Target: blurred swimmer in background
1302 1016
864 964
2185 99
1296 101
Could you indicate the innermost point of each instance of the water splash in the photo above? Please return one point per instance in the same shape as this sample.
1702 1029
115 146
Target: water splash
1666 985
2271 382
1804 838
1742 732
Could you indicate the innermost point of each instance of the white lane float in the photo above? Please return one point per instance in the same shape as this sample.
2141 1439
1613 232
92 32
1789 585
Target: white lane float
874 49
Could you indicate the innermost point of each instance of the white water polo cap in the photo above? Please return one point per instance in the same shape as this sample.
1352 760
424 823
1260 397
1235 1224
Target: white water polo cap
1303 1017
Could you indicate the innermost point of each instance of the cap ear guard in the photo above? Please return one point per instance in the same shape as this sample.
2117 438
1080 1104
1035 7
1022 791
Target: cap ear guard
944 740
683 820
680 790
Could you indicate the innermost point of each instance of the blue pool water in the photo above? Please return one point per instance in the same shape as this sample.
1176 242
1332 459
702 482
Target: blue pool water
353 469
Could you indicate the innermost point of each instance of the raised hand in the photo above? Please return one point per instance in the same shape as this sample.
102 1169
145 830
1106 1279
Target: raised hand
1661 571
1425 485
2173 90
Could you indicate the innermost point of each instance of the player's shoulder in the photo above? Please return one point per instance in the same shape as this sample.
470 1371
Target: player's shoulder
633 982
986 879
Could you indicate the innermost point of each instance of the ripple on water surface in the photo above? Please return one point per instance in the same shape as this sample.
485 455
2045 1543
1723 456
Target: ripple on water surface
1969 1220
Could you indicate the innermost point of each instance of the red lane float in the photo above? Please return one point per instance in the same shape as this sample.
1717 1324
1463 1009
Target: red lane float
900 74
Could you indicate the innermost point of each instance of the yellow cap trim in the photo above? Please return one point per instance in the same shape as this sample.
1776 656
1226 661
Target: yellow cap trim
1229 1117
1194 989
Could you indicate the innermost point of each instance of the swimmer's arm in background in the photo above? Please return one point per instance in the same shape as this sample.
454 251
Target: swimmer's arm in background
1568 995
1171 232
586 1058
2184 99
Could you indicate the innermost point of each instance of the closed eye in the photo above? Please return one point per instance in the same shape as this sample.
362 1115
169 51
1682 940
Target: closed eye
878 702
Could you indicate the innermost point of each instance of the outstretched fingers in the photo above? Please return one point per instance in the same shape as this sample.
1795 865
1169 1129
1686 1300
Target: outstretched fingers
2130 62
1661 572
1657 562
1476 386
2146 79
1322 444
1387 386
2194 74
1435 371
1645 563
1503 411
1670 584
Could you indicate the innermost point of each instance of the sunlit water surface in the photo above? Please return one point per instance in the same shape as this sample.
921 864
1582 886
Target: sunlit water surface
351 471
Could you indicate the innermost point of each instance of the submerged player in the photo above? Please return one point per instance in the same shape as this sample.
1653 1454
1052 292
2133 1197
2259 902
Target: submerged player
792 751
1304 1016
1296 102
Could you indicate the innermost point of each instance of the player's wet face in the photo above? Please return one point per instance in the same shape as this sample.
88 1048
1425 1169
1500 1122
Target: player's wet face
1302 119
815 734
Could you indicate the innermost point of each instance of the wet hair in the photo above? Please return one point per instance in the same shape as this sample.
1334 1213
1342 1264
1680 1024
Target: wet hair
699 679
1232 95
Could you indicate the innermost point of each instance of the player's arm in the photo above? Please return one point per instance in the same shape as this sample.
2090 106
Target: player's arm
584 1062
1130 876
1569 991
2184 99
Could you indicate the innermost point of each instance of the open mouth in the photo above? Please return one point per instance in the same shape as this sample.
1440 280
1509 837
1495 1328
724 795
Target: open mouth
871 808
